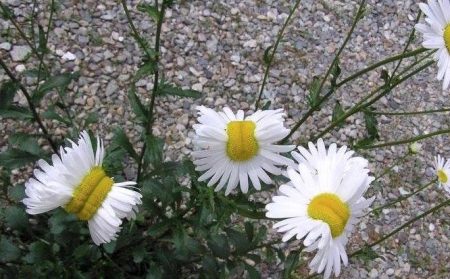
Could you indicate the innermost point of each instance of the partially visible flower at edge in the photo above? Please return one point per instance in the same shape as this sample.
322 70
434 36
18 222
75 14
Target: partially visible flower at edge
436 33
442 169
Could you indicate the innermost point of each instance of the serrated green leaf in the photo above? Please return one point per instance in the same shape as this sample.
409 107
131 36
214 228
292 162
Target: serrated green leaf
56 82
267 55
154 272
53 115
139 254
38 252
290 264
110 247
16 158
371 124
42 46
252 272
16 192
16 112
219 246
8 90
8 251
363 143
150 10
81 252
367 254
210 266
249 230
335 73
338 112
385 76
152 188
185 246
154 152
239 241
314 94
266 105
170 90
16 218
137 106
112 163
27 143
160 228
58 221
6 12
91 118
147 69
121 139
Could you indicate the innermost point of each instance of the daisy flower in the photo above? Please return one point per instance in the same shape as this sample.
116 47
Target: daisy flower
232 148
442 169
436 33
322 203
77 182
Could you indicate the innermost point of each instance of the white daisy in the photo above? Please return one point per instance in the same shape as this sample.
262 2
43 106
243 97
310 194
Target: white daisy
232 148
442 169
322 203
436 35
78 183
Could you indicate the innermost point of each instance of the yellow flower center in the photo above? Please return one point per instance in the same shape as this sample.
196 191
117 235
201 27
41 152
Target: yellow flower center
330 209
447 37
242 144
442 176
89 195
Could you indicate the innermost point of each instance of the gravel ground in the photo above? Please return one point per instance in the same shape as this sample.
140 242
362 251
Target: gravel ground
217 47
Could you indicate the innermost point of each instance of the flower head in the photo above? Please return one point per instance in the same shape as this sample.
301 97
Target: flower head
232 148
436 33
322 202
77 182
442 169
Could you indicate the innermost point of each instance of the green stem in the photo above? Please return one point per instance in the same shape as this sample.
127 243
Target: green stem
361 104
148 128
21 33
388 169
136 34
411 112
410 140
274 49
420 216
358 17
408 43
31 106
41 57
389 204
348 79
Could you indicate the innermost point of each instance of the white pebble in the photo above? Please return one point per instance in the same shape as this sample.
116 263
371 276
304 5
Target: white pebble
69 56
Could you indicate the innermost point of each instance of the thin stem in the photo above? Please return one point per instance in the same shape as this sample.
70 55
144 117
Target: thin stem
274 49
358 17
408 223
381 63
402 198
411 112
388 169
410 140
41 57
361 104
31 106
348 79
136 35
408 43
148 128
